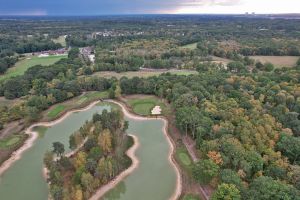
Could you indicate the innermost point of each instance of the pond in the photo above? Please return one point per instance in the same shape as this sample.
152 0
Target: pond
155 178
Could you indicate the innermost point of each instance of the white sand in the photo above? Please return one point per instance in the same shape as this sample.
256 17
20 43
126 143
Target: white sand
156 110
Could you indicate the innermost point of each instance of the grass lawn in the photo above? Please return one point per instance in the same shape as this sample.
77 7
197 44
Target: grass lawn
190 46
22 65
184 159
190 197
92 95
10 141
144 105
278 61
144 74
73 103
56 111
61 40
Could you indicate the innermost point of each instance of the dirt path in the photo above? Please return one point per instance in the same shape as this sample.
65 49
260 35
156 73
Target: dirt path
33 135
10 128
178 189
190 147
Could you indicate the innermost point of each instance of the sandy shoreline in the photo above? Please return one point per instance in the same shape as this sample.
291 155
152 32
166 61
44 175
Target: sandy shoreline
33 135
178 188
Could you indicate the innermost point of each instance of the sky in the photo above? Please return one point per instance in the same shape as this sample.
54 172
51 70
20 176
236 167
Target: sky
112 7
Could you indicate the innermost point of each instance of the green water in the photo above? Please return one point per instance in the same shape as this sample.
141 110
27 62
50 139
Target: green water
154 179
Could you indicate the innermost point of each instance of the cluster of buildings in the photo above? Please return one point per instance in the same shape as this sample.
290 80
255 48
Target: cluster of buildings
113 33
88 53
62 51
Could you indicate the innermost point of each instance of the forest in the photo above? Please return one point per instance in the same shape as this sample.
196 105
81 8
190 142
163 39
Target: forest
243 114
99 160
245 126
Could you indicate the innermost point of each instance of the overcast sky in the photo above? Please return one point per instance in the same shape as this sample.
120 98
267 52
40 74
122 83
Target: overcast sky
103 7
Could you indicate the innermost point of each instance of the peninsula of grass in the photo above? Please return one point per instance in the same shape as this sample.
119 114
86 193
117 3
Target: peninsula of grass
77 102
56 111
184 159
144 105
24 64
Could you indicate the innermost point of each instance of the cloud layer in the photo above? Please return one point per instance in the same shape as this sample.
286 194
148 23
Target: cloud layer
98 7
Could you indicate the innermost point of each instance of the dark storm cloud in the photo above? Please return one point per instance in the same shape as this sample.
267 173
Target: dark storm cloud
94 7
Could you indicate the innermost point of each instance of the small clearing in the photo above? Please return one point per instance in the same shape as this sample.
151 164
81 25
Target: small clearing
278 61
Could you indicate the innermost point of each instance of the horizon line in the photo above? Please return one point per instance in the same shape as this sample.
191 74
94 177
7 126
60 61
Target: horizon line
137 14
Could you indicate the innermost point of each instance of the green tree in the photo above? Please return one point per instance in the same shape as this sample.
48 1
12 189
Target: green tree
205 170
266 188
58 148
226 192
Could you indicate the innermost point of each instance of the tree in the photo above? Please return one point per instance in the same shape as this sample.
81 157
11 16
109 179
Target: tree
226 192
87 181
236 67
78 193
73 53
290 147
266 188
231 177
56 192
268 67
105 141
205 170
58 148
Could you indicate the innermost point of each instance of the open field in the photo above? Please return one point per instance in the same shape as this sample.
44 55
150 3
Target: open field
224 61
278 61
143 104
144 74
21 66
190 46
61 40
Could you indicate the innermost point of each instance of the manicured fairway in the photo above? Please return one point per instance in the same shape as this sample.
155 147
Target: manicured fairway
184 159
143 106
21 66
56 111
73 103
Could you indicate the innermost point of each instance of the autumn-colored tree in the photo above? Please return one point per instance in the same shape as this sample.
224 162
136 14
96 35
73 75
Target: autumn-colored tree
216 157
105 141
